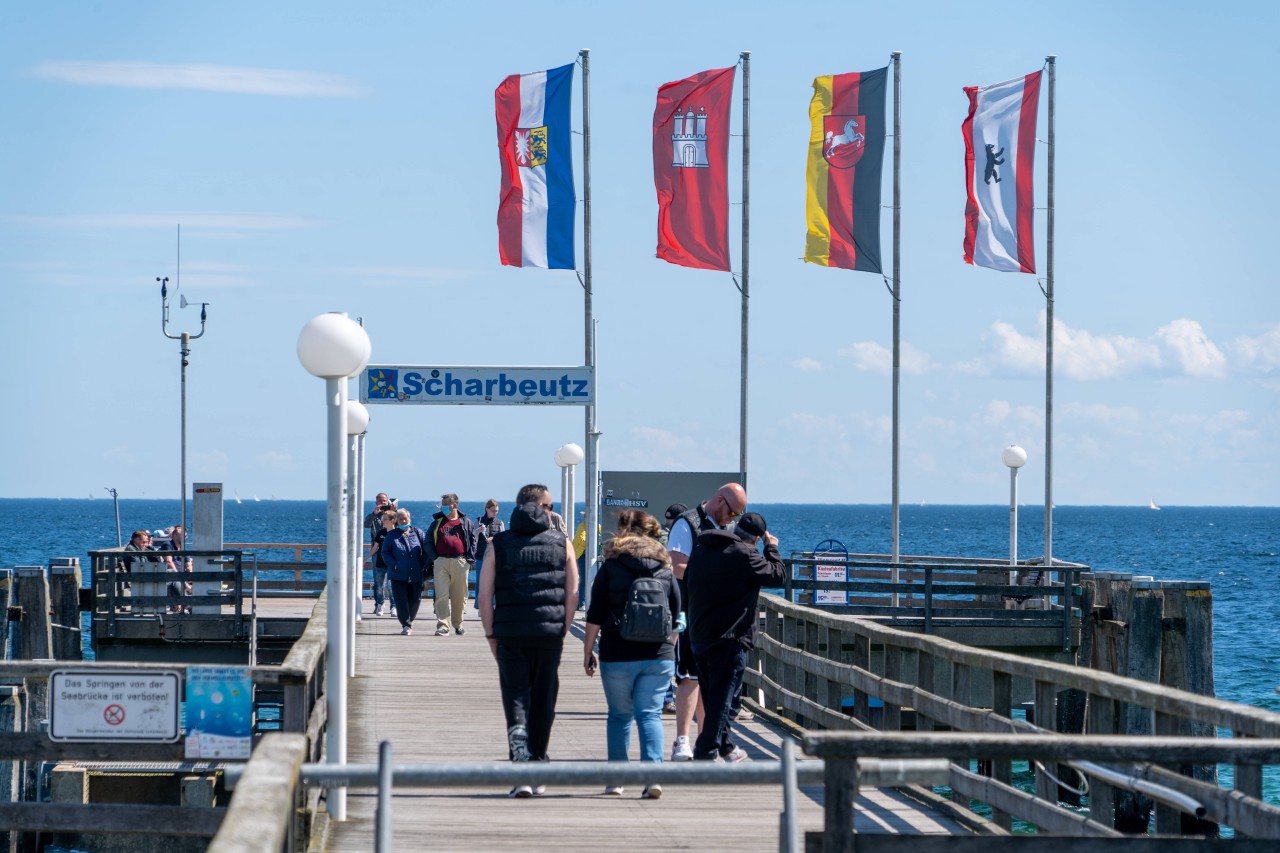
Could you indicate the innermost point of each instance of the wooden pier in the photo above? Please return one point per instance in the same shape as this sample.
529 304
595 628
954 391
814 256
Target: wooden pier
436 699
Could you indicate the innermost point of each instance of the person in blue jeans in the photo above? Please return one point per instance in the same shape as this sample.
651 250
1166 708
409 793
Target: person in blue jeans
634 675
381 586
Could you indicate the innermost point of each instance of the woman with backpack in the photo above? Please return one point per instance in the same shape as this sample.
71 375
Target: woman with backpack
406 568
634 604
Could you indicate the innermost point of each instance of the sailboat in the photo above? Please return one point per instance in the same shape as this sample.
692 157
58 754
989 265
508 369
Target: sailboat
256 498
237 495
1153 504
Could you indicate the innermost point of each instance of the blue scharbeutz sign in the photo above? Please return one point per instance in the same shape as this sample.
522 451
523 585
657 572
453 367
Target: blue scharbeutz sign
481 386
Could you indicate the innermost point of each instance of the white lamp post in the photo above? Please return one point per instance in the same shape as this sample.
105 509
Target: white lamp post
1014 457
567 456
357 422
333 347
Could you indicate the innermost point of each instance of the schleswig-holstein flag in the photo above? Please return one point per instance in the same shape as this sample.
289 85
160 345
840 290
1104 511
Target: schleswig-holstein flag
536 208
846 152
1000 146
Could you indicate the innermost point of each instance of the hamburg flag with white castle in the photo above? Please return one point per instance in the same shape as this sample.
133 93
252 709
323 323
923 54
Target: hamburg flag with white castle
536 207
999 140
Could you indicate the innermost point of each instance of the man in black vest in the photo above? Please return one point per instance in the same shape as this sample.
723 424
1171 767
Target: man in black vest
527 586
729 501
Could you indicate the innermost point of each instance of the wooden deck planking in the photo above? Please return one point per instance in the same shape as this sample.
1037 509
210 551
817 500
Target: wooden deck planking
436 699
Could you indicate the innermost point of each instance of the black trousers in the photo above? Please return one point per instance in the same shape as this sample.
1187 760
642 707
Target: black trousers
720 669
529 675
406 595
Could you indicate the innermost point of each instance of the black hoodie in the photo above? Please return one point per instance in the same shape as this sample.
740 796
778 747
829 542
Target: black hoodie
724 577
529 577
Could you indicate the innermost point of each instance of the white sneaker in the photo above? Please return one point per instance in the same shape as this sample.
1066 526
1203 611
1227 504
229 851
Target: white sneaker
521 792
613 791
651 792
681 750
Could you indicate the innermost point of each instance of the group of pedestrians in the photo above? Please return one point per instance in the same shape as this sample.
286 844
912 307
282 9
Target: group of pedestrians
405 558
686 609
166 543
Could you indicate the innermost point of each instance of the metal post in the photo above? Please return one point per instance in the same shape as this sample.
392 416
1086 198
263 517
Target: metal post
335 679
746 256
593 433
897 303
382 841
115 499
1013 522
570 520
357 518
565 509
185 349
351 574
790 829
1048 342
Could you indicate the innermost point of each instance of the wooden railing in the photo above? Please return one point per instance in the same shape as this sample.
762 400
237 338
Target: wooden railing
830 671
921 593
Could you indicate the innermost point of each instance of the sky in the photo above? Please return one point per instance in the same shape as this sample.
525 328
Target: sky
326 156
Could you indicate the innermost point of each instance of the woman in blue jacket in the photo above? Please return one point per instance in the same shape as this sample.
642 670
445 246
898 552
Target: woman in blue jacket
402 551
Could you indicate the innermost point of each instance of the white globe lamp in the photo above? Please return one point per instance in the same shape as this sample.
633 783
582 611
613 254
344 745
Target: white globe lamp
333 347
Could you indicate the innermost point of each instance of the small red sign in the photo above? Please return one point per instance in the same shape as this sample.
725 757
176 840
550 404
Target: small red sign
114 715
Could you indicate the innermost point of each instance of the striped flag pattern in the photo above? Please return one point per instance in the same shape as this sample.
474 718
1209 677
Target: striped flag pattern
999 144
537 203
846 153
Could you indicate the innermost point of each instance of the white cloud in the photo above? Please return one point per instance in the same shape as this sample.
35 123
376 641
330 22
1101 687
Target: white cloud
1078 354
1193 349
275 460
1179 348
390 275
1260 354
1124 420
201 221
871 357
200 77
1003 413
809 365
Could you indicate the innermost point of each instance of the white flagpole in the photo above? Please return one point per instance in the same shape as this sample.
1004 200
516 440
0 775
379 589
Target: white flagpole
1048 346
591 492
745 56
897 302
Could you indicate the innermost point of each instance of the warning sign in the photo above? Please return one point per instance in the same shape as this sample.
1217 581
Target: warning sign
123 706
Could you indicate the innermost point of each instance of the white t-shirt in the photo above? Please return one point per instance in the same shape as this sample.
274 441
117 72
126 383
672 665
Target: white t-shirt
680 537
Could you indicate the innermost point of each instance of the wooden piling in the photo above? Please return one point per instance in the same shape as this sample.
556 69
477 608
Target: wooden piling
10 771
1143 635
6 583
1186 648
31 595
64 604
1071 702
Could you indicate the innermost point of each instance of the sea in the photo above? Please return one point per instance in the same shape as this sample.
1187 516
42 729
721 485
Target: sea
1235 549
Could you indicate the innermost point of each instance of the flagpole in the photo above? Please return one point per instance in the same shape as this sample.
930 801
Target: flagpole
1052 61
745 56
897 301
591 492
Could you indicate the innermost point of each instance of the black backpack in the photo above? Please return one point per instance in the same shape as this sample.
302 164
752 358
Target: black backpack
646 617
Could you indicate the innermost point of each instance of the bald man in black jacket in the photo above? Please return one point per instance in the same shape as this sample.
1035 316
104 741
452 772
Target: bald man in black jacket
724 578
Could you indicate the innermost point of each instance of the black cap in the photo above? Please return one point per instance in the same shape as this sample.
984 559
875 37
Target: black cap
675 511
752 524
